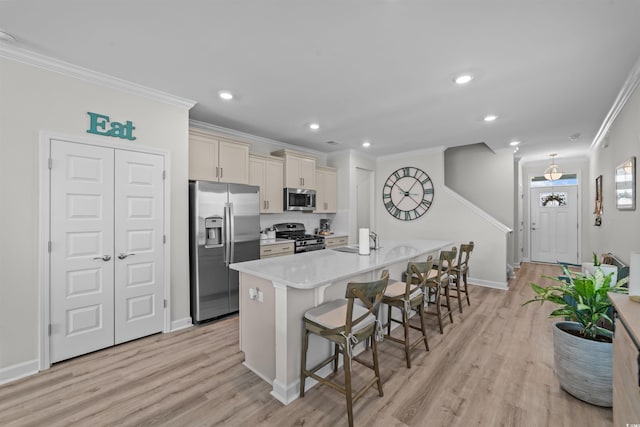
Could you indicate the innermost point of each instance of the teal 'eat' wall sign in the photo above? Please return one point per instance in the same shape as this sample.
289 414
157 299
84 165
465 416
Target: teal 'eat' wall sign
101 125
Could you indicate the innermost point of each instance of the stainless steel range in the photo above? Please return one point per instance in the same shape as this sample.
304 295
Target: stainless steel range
295 231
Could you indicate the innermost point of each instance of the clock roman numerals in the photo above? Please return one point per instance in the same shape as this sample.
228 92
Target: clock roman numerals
408 193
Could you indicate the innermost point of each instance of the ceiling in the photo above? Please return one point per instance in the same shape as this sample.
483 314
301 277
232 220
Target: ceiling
376 70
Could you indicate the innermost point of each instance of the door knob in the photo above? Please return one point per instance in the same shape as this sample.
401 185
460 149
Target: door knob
104 257
123 256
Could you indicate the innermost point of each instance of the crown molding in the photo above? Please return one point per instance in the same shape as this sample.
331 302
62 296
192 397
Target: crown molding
414 153
629 86
242 136
51 64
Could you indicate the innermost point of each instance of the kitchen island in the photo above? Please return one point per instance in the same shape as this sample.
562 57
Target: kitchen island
276 292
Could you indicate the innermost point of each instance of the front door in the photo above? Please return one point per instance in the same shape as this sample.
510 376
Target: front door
554 224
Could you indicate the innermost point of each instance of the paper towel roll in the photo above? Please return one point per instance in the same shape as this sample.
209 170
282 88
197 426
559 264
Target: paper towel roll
363 242
634 274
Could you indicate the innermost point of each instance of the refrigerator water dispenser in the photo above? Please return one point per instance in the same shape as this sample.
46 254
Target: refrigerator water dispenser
213 231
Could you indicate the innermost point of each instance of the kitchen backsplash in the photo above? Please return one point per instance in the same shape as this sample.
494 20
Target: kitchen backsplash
311 221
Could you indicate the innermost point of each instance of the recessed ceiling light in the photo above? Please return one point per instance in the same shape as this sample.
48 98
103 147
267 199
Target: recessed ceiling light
490 118
314 126
514 143
463 79
226 95
366 144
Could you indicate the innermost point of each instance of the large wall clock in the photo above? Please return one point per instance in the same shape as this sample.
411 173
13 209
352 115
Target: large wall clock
408 193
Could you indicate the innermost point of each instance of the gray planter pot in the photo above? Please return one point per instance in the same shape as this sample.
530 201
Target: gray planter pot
583 367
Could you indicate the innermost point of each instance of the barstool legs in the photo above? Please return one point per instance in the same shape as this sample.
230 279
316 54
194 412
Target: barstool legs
448 298
303 361
347 386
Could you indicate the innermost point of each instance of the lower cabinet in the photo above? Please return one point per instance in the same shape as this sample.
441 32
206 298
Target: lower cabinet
277 249
626 379
333 242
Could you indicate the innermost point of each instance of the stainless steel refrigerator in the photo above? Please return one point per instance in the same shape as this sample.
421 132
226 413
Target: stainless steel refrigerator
224 227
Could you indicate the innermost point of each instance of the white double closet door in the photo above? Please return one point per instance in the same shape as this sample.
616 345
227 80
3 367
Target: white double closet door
106 240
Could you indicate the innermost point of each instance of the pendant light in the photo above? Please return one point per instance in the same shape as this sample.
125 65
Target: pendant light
553 172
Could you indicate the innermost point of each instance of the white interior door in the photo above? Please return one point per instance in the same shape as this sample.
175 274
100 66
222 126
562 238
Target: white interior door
81 257
107 251
139 248
554 224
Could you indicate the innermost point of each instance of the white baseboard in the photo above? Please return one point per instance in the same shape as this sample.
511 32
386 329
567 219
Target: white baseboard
285 394
176 325
489 284
21 370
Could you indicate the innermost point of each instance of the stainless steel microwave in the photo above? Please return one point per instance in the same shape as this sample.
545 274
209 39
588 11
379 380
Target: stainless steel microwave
299 199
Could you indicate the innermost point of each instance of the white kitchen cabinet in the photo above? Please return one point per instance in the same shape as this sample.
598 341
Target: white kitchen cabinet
277 249
216 159
336 241
326 190
267 173
299 169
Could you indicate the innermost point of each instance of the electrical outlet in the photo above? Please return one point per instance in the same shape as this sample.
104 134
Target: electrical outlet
256 294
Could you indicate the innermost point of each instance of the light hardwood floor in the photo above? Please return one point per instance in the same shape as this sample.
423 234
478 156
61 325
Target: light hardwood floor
492 367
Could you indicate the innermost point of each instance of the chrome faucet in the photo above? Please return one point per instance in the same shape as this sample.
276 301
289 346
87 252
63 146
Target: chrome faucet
373 236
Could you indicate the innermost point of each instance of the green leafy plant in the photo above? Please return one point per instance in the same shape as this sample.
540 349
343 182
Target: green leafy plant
596 262
582 298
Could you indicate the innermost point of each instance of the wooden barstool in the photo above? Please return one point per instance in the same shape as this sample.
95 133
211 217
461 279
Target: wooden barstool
346 324
437 285
407 296
459 272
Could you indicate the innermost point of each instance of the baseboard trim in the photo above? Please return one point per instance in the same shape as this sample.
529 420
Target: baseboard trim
489 284
176 325
21 370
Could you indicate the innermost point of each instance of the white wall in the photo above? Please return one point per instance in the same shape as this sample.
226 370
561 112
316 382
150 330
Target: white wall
33 99
484 177
620 230
449 218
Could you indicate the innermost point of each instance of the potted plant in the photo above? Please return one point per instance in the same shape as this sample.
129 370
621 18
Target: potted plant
583 345
590 267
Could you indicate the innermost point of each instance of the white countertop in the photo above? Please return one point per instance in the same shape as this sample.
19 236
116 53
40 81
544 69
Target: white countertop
332 235
266 242
312 269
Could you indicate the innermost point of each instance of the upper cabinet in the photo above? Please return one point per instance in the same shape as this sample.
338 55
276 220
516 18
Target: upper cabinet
299 170
326 190
267 173
212 158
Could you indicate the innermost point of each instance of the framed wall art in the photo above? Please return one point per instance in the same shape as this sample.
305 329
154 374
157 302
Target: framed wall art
598 208
626 185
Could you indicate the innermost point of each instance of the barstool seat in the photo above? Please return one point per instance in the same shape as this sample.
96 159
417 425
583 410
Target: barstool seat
398 288
331 315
